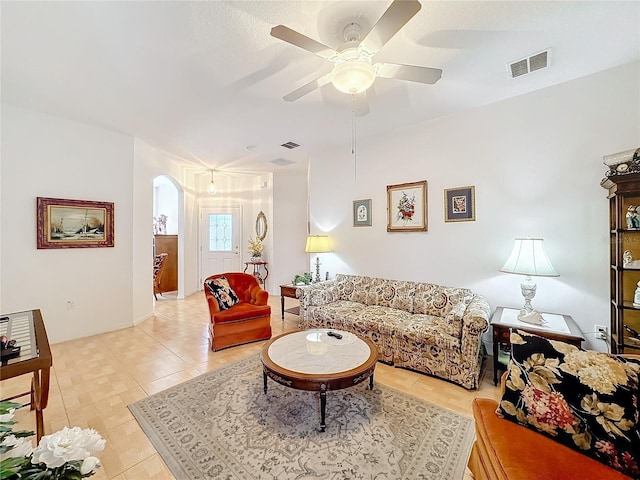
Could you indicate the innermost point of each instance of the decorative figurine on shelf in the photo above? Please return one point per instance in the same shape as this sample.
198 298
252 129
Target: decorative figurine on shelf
533 317
633 334
160 224
8 349
636 297
627 258
633 221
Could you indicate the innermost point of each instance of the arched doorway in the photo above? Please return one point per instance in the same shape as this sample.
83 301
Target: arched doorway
168 234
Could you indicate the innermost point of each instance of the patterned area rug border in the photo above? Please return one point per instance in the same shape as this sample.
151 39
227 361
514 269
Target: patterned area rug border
222 425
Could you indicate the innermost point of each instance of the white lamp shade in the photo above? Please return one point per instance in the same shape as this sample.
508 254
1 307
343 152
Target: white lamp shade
317 244
529 258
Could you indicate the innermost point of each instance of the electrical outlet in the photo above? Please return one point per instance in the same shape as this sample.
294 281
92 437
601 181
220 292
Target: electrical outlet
602 332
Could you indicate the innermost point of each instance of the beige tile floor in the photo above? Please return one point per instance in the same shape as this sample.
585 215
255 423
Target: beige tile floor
94 379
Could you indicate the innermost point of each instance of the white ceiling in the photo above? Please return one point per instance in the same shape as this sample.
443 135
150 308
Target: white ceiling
204 80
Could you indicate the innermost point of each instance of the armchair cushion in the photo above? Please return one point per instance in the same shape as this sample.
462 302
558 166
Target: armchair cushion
586 400
242 311
222 292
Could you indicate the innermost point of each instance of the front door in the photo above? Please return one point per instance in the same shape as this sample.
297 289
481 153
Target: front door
220 240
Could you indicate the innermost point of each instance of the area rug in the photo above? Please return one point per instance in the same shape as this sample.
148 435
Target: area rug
222 425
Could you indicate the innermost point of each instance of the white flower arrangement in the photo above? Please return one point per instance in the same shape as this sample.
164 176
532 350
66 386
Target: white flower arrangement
68 454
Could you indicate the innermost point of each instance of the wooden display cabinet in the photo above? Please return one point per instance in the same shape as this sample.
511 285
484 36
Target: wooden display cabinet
624 196
168 244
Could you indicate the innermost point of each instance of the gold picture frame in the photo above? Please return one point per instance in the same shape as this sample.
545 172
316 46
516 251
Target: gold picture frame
407 207
460 204
63 223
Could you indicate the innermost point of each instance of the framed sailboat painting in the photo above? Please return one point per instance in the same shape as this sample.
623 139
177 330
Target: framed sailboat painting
74 223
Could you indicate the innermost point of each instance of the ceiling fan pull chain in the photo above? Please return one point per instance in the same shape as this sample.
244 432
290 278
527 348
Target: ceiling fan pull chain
353 136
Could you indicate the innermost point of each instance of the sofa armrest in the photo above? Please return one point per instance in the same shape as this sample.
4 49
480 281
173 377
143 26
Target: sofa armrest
475 322
319 293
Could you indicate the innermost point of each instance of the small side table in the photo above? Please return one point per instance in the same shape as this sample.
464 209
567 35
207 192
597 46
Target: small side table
288 291
256 271
558 327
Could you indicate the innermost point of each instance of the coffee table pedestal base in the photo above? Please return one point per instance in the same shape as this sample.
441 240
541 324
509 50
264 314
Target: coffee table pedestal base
323 390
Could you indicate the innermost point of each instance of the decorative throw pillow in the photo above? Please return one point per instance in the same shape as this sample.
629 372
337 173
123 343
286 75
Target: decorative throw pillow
583 399
223 292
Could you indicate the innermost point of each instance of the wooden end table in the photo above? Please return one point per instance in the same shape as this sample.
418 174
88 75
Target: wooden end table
35 359
314 361
288 291
558 327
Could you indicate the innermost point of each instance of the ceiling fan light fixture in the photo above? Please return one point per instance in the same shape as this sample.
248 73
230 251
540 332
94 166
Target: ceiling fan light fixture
353 76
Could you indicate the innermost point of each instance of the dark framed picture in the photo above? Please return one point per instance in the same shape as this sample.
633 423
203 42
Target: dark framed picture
74 223
407 207
460 204
362 213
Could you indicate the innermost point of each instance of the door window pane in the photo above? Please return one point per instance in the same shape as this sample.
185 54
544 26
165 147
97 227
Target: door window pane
220 232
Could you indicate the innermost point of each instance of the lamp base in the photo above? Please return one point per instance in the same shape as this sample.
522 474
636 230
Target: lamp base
317 279
534 317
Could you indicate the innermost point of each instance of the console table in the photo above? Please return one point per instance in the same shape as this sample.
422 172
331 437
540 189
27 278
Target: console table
262 280
27 328
558 327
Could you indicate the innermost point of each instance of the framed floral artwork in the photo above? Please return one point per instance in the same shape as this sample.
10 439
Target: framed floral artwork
460 204
362 213
407 207
74 223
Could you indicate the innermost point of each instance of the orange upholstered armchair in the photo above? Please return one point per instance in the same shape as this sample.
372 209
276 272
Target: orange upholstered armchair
238 309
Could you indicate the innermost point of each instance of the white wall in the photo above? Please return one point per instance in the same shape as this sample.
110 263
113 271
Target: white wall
149 163
165 202
536 164
288 228
46 156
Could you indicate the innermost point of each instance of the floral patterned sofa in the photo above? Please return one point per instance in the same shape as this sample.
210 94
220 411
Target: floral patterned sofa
420 326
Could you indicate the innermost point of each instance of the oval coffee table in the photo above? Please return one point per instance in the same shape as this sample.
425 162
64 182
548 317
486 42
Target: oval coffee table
315 361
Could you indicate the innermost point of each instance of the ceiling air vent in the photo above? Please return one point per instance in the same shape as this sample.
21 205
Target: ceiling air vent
529 64
290 145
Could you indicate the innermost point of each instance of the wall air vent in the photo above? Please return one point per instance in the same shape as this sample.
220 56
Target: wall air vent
290 145
283 162
534 62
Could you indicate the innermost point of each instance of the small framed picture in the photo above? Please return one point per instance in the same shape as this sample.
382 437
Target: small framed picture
407 207
460 204
362 213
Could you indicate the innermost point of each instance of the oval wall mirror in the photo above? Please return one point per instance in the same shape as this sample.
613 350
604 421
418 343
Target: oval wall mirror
261 226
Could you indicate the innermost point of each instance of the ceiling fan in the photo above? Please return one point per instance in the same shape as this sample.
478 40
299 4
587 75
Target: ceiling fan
353 71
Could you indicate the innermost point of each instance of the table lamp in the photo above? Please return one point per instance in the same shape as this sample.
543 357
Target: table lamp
317 244
529 258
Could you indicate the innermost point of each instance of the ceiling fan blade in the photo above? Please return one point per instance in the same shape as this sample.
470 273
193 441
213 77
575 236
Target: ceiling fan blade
361 104
302 41
411 73
396 16
308 88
